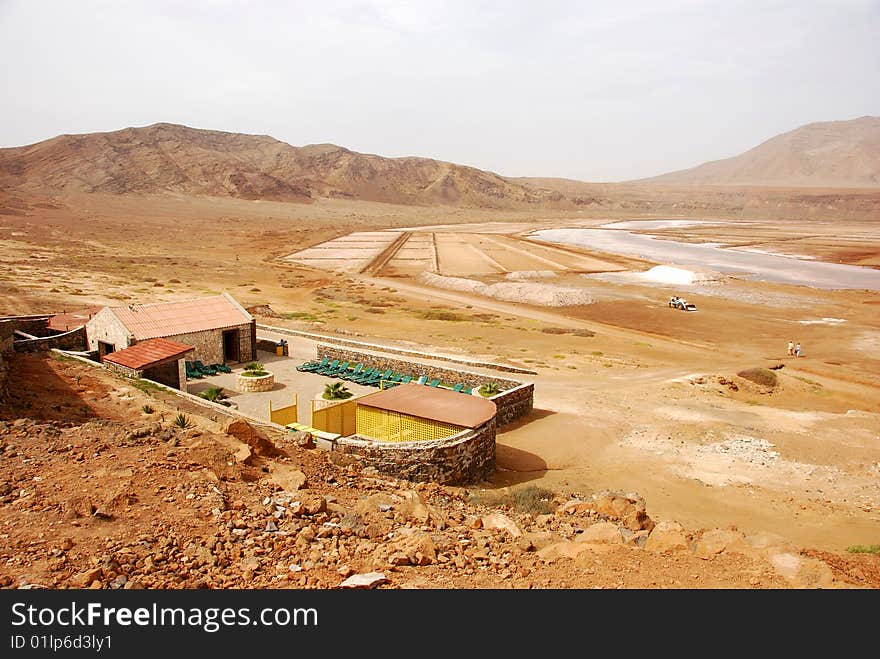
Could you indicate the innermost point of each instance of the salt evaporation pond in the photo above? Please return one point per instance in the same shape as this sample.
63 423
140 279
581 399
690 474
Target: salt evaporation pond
753 265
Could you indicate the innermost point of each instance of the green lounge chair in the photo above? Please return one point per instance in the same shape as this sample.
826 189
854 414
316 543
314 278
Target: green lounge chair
342 368
204 370
221 368
457 388
366 375
394 380
308 367
328 369
376 379
422 380
192 372
467 390
433 383
350 375
403 380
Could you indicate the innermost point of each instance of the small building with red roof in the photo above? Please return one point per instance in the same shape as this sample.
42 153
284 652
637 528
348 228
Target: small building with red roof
158 359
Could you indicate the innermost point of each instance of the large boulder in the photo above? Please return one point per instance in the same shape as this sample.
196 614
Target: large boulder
256 439
501 522
628 509
602 533
716 541
801 571
667 537
419 510
416 549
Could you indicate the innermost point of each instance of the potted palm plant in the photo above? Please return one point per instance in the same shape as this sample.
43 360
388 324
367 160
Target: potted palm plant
336 391
489 389
255 377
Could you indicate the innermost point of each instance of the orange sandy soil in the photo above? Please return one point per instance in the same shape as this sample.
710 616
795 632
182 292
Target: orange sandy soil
641 405
96 493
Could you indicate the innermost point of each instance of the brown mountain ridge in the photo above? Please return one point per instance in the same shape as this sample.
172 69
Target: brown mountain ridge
165 158
823 154
173 159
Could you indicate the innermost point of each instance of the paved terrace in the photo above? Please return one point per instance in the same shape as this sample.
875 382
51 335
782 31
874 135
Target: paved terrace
289 381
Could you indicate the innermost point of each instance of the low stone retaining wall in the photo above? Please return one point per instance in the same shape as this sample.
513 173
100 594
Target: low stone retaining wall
72 340
255 384
268 345
192 401
465 458
362 345
6 330
36 325
416 369
513 403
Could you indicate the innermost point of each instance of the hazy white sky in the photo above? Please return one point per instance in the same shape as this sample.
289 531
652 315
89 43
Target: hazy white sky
596 91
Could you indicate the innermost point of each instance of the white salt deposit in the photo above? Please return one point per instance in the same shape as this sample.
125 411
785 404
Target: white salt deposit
823 321
667 274
530 274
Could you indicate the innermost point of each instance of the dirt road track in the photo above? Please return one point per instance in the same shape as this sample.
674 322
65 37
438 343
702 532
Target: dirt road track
532 313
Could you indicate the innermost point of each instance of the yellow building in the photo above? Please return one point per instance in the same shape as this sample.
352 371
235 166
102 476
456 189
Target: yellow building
413 412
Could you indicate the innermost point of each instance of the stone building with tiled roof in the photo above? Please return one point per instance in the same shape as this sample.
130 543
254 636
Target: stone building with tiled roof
218 327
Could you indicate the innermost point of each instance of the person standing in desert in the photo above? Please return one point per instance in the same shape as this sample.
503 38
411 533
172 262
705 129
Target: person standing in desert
790 348
797 350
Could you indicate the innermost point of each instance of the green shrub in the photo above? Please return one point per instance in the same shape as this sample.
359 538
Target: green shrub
760 376
434 314
489 389
533 499
864 549
254 367
182 421
213 394
336 391
148 409
529 499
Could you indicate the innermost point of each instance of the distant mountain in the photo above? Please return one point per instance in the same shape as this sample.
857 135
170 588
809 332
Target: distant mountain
825 154
169 158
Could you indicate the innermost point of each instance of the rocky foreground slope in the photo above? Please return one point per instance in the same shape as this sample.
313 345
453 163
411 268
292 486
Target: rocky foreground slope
97 493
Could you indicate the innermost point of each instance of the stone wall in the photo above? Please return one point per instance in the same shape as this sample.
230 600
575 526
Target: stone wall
251 385
209 344
6 329
72 340
416 369
514 402
362 345
125 371
106 327
33 325
462 459
268 345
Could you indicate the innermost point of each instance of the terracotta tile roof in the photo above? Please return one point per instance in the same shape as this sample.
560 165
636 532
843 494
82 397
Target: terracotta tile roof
147 321
148 353
433 403
64 322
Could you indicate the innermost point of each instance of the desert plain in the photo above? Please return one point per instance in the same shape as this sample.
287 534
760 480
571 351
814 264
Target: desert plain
630 395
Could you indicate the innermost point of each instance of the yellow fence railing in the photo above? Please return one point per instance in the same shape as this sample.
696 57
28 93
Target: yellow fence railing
284 415
388 426
339 418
